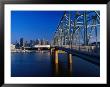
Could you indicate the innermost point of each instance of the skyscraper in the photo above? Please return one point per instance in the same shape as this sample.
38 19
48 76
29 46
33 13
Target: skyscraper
21 42
37 41
17 45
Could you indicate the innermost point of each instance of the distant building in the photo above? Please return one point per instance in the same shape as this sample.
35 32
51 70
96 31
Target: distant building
32 43
46 42
17 45
21 42
37 41
12 47
26 44
42 42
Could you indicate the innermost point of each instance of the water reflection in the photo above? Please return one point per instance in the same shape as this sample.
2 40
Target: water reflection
59 69
69 69
40 64
56 70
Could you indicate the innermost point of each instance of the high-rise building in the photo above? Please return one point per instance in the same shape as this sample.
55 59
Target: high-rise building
37 41
26 44
17 45
33 42
42 42
30 43
21 42
46 42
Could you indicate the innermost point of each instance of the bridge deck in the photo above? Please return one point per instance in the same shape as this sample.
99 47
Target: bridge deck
92 57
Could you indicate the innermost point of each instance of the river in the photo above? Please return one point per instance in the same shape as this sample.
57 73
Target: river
38 64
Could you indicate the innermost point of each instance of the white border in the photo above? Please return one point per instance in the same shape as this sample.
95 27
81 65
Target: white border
55 80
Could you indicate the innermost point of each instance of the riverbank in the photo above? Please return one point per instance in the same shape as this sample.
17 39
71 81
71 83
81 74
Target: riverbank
28 51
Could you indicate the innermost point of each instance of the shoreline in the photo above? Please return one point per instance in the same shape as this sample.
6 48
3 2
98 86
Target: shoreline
37 51
22 51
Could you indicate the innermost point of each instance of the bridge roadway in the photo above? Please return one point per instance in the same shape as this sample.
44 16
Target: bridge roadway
91 57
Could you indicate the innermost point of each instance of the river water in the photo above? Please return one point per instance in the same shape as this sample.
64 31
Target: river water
40 64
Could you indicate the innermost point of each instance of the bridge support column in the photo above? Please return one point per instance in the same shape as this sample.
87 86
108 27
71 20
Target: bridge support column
70 58
56 56
51 51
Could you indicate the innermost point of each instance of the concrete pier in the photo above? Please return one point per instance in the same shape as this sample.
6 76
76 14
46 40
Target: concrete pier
51 51
56 56
70 58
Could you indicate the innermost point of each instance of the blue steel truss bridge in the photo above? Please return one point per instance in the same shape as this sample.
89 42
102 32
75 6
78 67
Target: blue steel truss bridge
78 34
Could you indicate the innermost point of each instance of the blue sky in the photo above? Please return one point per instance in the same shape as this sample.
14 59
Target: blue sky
34 24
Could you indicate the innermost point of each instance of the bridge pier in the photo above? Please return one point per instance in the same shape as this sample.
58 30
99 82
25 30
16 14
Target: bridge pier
56 56
70 58
51 51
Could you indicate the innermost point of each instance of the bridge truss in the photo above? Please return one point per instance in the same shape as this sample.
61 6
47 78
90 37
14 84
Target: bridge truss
79 30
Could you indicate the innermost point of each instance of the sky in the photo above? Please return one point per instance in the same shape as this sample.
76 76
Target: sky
34 24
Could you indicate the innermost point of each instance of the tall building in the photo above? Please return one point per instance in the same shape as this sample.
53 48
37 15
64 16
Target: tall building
47 42
37 41
17 45
26 44
42 42
21 42
32 43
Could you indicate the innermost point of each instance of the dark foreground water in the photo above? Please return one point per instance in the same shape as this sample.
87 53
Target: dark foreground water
42 65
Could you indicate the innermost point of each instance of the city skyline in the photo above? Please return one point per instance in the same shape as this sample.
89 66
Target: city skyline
34 24
31 43
24 40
